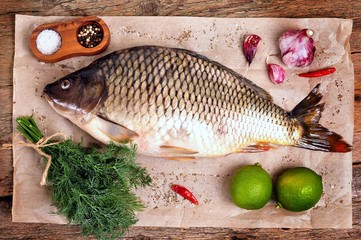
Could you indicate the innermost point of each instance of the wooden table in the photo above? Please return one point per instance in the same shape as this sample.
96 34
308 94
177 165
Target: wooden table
210 8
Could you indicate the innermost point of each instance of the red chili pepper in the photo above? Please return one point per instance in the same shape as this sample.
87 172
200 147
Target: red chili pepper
318 73
184 192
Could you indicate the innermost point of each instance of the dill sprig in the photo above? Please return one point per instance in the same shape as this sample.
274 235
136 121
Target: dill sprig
92 187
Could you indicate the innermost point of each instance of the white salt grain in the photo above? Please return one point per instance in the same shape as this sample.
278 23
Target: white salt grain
48 42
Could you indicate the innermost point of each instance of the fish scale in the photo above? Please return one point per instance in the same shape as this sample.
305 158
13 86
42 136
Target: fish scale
177 104
178 80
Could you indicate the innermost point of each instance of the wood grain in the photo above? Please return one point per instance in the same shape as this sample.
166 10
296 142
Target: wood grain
211 8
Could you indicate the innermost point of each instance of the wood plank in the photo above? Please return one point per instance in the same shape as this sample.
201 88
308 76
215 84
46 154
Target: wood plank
231 8
6 65
356 152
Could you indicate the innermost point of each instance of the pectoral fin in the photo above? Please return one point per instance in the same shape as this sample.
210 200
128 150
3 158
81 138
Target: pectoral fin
114 131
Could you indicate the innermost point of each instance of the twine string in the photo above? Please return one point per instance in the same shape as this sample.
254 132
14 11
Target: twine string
43 142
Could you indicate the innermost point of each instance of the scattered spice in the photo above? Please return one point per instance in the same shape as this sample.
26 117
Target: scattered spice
90 35
318 73
184 192
48 42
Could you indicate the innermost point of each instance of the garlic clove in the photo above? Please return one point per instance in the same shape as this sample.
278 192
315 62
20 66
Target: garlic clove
276 73
250 47
297 47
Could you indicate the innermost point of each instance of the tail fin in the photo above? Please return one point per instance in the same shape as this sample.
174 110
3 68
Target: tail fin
314 136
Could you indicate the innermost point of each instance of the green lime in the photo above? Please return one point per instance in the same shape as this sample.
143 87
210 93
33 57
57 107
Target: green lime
298 189
251 187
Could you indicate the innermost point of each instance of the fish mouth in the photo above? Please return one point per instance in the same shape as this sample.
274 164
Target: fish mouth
46 89
49 98
46 94
50 101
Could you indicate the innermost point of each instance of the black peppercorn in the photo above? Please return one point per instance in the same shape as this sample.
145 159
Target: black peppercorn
90 35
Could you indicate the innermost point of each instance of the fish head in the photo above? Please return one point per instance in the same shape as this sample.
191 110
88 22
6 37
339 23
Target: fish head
76 94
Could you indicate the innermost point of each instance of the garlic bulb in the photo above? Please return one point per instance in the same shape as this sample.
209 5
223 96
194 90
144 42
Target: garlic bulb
297 47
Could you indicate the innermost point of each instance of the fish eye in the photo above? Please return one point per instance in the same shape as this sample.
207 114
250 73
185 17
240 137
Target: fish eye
65 84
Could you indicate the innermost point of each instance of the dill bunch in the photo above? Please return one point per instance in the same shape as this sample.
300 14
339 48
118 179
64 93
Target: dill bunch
92 187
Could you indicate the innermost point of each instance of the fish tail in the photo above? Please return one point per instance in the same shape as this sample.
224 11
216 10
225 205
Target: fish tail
313 135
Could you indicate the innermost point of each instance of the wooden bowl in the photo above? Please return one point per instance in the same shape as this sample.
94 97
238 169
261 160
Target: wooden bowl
70 46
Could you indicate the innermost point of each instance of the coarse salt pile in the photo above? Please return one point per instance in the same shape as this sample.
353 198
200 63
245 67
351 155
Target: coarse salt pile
48 42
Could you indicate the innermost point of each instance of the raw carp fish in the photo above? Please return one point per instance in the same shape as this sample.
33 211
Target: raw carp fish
178 104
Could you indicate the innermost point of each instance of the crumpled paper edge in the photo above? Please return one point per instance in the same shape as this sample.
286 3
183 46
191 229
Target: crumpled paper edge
190 209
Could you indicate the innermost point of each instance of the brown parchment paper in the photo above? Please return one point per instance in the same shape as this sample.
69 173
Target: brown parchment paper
209 178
